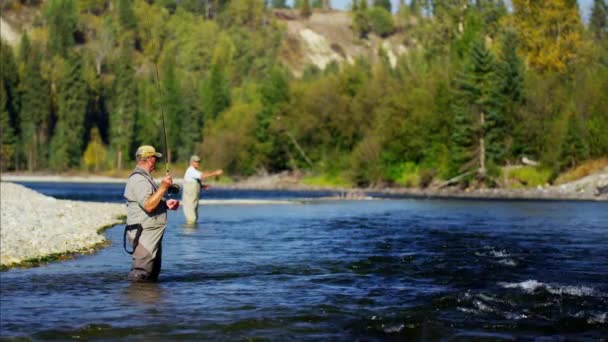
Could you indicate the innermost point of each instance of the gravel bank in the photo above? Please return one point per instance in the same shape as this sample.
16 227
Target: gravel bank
35 226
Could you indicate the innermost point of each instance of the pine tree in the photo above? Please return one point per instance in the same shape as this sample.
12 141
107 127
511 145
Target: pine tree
215 93
7 134
123 112
274 93
35 114
126 16
190 127
173 106
9 107
62 19
574 147
477 135
511 85
598 24
386 4
67 141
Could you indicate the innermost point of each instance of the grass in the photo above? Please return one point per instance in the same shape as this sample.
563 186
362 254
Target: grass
583 170
326 181
528 176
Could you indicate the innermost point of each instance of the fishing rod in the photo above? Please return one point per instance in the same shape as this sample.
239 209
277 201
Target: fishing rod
174 189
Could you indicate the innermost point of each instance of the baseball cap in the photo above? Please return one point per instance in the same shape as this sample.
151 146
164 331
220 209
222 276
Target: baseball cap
195 158
147 151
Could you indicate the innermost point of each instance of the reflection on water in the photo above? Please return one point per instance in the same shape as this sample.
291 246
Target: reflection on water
189 228
341 270
148 293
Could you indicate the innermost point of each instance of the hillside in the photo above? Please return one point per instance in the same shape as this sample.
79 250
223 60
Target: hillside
328 36
324 37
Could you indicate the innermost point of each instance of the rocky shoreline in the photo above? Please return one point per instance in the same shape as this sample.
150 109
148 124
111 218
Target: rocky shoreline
35 228
591 188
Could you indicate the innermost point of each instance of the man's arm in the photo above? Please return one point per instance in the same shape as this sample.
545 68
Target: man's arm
211 174
154 200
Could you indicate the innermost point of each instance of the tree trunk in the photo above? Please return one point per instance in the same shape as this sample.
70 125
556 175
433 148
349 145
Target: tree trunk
119 159
481 173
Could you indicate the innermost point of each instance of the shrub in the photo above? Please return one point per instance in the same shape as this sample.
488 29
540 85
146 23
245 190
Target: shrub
530 176
381 21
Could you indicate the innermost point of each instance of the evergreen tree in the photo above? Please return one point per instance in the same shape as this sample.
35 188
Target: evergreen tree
386 4
215 93
123 112
68 136
598 24
279 4
126 16
477 127
491 12
62 19
9 106
35 114
574 147
511 86
190 127
274 93
415 7
361 22
305 9
7 134
173 106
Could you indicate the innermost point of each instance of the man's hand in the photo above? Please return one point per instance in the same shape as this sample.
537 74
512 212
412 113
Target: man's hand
172 204
166 182
218 172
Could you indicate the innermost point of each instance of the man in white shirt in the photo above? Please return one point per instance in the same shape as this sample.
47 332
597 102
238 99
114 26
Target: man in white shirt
192 188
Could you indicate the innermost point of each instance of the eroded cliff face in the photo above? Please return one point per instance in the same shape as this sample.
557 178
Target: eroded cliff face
327 36
8 33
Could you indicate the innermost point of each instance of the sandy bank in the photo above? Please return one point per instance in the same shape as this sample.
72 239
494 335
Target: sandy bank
35 226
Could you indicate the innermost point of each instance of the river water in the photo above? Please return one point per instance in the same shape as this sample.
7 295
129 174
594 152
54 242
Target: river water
313 269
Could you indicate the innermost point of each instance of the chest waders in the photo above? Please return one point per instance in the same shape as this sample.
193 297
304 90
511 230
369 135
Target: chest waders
137 226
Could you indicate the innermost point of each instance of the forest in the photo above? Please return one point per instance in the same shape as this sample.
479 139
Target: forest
483 86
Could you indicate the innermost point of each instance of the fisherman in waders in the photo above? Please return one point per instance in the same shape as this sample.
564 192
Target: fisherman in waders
193 179
147 215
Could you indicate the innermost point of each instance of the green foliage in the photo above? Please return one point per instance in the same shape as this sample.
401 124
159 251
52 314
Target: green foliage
380 21
35 114
126 15
535 77
215 93
529 176
574 147
326 181
67 141
62 19
478 134
361 23
598 23
124 109
384 4
175 110
229 138
94 156
7 140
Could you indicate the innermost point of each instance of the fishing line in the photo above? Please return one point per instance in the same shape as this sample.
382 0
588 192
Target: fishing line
174 189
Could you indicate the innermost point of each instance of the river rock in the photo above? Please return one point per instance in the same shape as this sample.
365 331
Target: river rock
34 226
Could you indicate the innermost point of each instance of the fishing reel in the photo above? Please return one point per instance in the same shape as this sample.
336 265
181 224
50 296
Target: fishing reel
174 189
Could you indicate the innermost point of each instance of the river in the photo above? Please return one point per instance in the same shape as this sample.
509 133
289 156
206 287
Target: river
306 268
